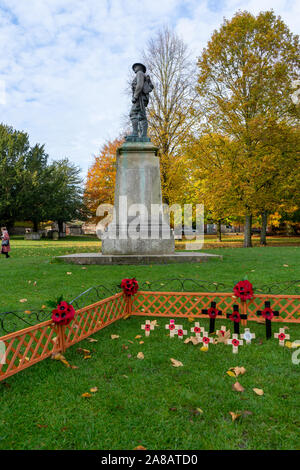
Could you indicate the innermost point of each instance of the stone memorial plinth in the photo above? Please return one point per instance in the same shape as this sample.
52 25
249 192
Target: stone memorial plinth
139 226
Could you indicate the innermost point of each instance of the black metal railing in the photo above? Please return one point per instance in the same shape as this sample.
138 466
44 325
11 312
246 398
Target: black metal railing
14 320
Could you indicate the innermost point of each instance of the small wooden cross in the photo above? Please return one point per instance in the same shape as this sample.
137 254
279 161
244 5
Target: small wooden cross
235 342
212 312
179 331
268 314
197 329
222 335
282 336
172 328
222 330
247 335
147 327
205 339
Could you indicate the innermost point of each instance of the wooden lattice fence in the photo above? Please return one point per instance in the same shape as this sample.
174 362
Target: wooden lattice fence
191 304
36 343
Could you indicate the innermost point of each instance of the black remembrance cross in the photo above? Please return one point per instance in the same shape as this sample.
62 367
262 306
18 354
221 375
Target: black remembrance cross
236 317
268 314
212 312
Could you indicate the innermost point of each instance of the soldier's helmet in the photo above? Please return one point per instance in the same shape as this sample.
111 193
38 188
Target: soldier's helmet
142 65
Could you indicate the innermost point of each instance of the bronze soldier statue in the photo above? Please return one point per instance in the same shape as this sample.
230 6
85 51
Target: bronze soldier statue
141 87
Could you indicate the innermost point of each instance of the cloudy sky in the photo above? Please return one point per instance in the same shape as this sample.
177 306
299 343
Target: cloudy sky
64 63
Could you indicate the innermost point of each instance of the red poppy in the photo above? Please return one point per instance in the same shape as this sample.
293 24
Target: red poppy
212 312
236 317
281 337
243 290
63 314
171 326
147 326
180 332
267 313
235 342
197 329
129 286
205 339
222 332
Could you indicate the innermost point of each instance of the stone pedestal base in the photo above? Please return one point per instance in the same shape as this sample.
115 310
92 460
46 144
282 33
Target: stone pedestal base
98 258
139 226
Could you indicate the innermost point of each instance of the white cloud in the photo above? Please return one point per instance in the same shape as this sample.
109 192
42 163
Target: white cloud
65 63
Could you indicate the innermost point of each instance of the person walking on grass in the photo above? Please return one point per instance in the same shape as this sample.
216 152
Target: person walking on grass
5 242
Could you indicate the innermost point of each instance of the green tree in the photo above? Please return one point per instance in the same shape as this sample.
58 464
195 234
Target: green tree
245 83
14 146
66 194
36 186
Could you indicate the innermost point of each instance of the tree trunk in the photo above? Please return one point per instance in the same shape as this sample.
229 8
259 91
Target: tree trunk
60 224
263 232
247 231
219 231
35 226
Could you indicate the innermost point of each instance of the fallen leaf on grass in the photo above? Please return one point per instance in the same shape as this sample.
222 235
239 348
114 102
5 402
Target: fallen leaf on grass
137 337
86 395
141 342
191 319
124 347
28 312
237 387
292 345
140 355
23 301
176 363
69 273
87 357
230 373
41 426
140 448
191 339
92 340
258 391
26 359
94 389
154 323
129 341
61 358
84 351
235 371
204 349
234 416
114 336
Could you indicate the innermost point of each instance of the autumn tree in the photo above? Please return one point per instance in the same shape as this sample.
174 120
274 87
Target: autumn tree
245 82
170 109
100 183
221 175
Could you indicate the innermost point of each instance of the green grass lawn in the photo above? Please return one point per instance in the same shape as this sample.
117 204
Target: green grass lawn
148 402
32 272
